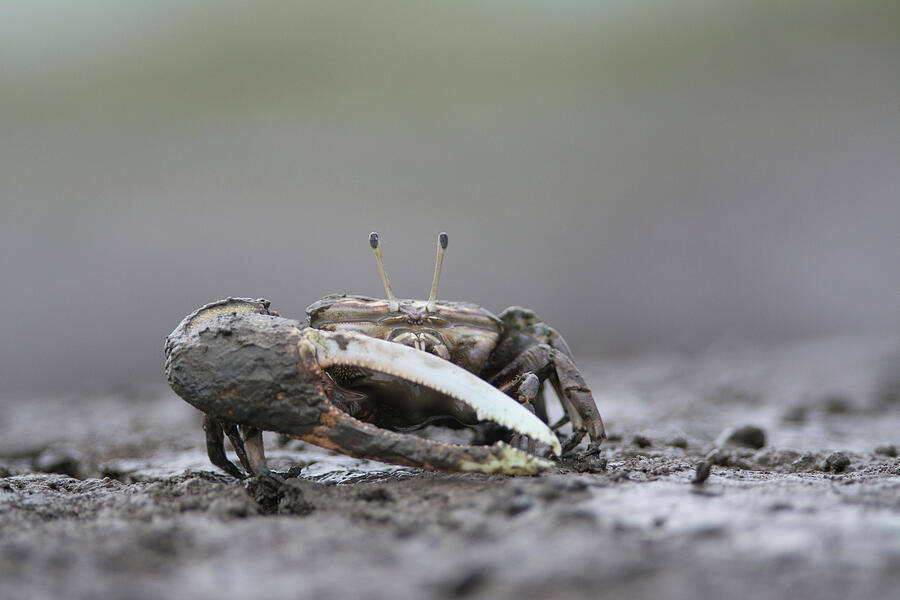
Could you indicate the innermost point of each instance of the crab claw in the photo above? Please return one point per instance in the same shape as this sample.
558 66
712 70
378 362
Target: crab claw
240 364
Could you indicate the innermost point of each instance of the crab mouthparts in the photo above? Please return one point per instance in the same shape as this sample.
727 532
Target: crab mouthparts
347 349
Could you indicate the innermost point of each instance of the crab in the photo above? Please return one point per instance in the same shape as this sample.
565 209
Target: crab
363 376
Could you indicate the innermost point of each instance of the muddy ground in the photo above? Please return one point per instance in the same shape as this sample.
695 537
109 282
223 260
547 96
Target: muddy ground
112 496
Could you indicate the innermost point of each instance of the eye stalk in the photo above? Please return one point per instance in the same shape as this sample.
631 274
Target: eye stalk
430 306
393 304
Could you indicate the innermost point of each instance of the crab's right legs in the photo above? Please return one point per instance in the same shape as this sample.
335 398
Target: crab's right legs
544 361
526 388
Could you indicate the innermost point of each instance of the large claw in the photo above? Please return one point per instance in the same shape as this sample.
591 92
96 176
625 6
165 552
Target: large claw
240 364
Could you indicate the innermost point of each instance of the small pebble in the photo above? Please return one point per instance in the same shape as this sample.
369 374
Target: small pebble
702 473
836 404
837 462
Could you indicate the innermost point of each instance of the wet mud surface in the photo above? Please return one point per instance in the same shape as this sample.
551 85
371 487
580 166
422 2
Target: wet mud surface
793 452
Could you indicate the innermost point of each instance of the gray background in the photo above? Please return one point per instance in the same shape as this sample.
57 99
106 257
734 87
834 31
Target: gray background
644 175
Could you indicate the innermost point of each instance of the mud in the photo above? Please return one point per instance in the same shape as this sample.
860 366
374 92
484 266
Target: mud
763 471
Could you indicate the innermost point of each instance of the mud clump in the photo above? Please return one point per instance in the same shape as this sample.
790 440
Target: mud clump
589 461
746 436
278 497
57 461
837 462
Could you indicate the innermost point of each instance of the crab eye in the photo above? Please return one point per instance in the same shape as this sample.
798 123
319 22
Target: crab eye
436 321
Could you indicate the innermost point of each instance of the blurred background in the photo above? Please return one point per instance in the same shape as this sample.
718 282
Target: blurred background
645 175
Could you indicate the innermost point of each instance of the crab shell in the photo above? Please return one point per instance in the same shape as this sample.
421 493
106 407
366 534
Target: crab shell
461 332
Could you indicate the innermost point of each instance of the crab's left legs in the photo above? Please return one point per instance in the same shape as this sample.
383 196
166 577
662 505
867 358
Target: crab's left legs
246 441
215 446
256 453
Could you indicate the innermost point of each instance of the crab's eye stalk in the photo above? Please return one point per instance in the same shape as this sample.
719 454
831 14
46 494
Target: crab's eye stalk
430 306
393 305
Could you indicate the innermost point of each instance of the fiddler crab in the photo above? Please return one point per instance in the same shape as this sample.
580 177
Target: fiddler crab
364 375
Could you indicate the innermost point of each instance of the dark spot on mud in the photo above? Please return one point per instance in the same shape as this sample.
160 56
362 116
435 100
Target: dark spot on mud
378 495
641 441
517 505
470 583
679 442
837 462
887 450
836 404
562 487
748 436
795 414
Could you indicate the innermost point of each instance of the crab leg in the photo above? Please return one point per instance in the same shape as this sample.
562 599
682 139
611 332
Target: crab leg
547 362
255 452
215 446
